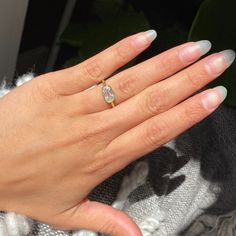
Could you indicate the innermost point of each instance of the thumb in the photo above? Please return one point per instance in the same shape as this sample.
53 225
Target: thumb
95 216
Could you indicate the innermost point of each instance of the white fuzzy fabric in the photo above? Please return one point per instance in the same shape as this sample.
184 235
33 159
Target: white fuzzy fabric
17 225
130 182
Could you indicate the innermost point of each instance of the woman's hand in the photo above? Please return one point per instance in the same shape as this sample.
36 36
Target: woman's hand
59 139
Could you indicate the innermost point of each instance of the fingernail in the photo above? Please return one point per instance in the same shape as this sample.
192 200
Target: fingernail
219 62
214 98
151 35
204 46
194 51
229 56
145 38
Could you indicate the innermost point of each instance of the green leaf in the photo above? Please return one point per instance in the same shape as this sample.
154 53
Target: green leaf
74 35
91 37
173 35
105 9
71 62
215 21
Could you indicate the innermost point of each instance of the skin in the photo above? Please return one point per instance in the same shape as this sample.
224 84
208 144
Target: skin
59 139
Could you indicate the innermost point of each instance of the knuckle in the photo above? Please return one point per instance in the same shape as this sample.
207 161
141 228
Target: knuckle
99 164
127 86
92 132
96 167
193 79
93 70
166 65
122 52
97 125
156 134
192 112
154 102
42 91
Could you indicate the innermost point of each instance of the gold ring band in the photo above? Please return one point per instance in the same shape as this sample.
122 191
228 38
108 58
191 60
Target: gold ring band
108 93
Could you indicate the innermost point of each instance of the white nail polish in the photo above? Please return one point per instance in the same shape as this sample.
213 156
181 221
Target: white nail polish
204 46
229 56
194 51
151 35
222 92
219 62
214 98
143 39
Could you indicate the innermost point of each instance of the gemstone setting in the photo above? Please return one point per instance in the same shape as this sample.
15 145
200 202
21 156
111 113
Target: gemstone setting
108 93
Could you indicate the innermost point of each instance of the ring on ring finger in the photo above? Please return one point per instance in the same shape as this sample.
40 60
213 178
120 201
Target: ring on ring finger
108 93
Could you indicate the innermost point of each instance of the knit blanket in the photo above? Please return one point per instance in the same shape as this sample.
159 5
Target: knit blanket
185 187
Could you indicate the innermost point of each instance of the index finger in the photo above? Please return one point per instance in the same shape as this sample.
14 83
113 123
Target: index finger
92 71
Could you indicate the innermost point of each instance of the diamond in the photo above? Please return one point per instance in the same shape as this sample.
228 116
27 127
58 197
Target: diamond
108 93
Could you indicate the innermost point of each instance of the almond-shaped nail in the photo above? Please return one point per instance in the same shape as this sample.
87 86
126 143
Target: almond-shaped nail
194 51
214 98
145 38
219 62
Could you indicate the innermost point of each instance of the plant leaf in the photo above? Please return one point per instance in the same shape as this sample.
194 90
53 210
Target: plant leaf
105 9
89 38
215 21
71 62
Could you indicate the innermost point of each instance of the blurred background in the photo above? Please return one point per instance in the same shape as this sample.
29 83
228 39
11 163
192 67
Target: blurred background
42 36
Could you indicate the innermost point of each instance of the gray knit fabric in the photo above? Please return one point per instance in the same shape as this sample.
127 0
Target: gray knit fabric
190 188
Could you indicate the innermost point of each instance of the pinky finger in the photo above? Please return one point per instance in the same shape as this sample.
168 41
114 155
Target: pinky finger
160 129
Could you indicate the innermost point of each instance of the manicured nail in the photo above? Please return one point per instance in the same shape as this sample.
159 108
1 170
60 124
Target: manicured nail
229 56
219 62
145 38
204 46
151 35
212 99
194 51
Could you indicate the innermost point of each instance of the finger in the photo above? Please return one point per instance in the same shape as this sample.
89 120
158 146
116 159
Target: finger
164 95
95 216
132 81
100 66
160 129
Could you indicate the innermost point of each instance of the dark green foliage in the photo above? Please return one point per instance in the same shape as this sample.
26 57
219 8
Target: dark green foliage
216 21
113 20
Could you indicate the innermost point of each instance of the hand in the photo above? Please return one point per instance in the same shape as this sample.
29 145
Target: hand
59 139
